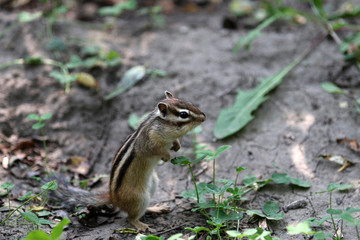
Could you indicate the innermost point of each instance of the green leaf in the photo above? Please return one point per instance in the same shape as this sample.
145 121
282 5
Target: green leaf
37 235
29 17
255 212
49 186
56 44
221 149
134 120
250 179
33 60
280 178
334 211
321 235
43 213
61 77
31 217
130 78
7 186
358 101
43 221
180 160
271 209
300 182
152 237
197 229
318 9
33 116
45 116
234 234
337 186
331 88
199 159
303 227
38 125
211 188
234 118
113 58
75 61
90 50
176 237
117 9
58 229
246 41
347 217
27 196
239 169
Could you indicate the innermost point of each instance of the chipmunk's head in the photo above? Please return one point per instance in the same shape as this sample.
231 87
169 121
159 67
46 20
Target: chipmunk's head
179 116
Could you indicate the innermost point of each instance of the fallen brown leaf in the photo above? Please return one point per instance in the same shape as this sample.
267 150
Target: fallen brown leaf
23 144
353 143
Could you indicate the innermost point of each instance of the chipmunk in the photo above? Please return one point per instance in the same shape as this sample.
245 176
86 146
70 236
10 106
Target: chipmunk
133 180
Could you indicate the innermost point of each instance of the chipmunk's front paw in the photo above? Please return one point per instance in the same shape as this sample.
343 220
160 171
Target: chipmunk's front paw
176 146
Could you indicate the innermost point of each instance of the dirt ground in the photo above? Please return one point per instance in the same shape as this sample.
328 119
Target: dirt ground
298 122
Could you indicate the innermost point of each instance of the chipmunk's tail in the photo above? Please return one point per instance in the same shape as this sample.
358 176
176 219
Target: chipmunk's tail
70 197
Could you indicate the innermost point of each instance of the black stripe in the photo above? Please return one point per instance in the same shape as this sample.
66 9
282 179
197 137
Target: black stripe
121 155
123 169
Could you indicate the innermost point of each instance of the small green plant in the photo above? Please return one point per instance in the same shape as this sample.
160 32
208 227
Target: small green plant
8 186
40 124
270 211
118 9
63 76
234 118
332 88
344 215
156 17
23 17
54 235
29 215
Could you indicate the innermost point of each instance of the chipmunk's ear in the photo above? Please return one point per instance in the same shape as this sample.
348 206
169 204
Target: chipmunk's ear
163 108
168 94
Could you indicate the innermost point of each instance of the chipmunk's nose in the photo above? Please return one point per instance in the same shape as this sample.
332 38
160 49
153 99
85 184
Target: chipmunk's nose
203 117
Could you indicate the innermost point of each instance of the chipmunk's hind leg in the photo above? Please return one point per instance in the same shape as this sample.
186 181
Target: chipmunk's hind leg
137 211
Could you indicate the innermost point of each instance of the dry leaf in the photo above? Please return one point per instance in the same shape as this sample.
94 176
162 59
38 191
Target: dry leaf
353 143
23 144
339 160
75 161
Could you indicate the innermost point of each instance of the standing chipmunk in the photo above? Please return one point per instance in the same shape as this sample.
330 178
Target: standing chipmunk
133 180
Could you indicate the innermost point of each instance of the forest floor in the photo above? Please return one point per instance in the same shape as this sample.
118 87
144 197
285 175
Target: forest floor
298 123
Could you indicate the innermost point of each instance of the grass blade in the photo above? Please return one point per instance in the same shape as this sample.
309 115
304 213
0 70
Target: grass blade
246 41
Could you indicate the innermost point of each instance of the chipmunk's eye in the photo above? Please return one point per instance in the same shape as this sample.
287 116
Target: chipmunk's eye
183 114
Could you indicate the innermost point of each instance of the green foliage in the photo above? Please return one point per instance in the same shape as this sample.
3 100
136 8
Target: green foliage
54 235
302 227
24 17
234 118
7 186
286 179
156 18
249 38
39 125
331 88
119 8
270 211
36 219
129 79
